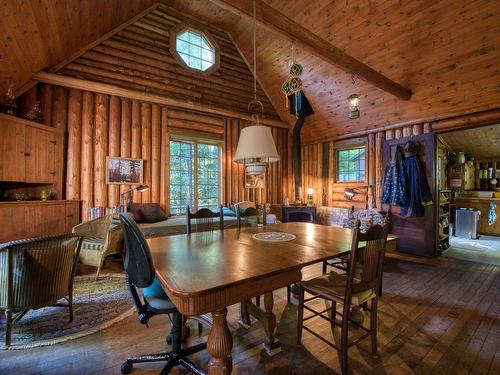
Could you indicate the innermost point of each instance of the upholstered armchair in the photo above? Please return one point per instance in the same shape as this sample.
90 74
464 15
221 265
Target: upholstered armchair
102 237
35 273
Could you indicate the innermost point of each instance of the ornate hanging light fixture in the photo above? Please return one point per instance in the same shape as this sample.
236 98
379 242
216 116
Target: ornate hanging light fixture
293 85
256 148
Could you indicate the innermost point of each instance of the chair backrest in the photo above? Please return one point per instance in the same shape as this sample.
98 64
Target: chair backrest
369 258
37 272
203 220
250 212
137 262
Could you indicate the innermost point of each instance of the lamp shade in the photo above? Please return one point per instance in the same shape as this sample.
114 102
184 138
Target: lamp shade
256 144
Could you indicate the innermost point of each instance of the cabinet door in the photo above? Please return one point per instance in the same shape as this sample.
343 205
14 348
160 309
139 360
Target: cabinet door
45 219
12 149
12 222
72 215
40 159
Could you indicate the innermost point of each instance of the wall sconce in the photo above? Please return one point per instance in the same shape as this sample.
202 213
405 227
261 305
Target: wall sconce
310 201
127 196
353 107
350 193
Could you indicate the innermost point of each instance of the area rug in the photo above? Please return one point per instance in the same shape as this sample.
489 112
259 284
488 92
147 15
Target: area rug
97 305
486 249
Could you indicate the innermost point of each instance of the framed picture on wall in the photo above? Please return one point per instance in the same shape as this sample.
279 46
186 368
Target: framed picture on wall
124 171
255 182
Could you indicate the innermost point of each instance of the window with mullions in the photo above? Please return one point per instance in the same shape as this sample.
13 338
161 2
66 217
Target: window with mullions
351 164
195 50
194 176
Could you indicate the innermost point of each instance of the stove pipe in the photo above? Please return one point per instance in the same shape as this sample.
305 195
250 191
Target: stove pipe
297 157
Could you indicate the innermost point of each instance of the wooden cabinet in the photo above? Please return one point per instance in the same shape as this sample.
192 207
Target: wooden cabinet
29 151
37 218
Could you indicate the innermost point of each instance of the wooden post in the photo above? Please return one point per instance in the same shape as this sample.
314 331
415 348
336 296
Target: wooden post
46 103
372 160
59 107
165 162
101 149
379 142
125 133
136 140
74 145
87 173
114 145
146 148
398 133
417 129
389 134
156 153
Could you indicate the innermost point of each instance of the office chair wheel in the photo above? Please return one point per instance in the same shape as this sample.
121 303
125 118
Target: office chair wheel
126 367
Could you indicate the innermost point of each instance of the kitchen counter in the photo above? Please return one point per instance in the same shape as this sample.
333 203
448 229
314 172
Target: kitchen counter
478 198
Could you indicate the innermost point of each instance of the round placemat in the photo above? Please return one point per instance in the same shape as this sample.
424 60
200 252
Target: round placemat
274 236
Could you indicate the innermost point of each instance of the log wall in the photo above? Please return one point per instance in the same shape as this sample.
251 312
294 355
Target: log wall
319 167
98 125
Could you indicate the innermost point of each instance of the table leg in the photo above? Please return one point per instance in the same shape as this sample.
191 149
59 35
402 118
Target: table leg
272 345
219 345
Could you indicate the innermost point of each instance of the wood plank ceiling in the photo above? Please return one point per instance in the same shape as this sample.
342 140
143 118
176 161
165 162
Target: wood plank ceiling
482 143
445 52
36 35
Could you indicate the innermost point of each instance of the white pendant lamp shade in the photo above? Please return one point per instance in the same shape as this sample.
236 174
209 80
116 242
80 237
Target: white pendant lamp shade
256 148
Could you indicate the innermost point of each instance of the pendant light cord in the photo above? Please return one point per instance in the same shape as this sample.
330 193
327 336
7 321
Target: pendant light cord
254 50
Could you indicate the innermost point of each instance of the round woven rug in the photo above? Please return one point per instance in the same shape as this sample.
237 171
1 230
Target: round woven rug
96 305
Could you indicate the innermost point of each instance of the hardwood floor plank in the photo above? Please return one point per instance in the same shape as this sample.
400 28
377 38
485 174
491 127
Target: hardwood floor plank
436 316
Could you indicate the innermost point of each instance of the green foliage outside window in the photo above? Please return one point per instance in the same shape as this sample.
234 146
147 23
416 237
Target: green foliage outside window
351 165
187 188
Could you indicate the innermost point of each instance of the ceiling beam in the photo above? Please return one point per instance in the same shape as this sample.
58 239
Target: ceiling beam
270 19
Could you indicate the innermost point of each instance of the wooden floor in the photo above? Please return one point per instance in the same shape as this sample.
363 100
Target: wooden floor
438 316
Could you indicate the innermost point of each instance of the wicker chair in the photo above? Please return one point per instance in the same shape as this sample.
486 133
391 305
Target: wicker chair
102 237
35 273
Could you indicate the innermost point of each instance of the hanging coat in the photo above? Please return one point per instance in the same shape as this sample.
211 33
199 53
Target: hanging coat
394 190
419 192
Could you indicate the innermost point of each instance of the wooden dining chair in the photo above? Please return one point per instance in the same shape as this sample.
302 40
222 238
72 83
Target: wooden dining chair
359 286
203 220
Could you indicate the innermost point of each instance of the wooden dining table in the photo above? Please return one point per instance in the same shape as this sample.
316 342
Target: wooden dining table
206 272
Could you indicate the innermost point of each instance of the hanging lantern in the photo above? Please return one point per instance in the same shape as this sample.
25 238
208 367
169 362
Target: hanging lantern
353 107
296 70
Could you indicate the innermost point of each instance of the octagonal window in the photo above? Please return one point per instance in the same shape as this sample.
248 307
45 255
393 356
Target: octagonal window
195 50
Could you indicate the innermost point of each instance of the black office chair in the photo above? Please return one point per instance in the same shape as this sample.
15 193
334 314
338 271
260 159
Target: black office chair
140 272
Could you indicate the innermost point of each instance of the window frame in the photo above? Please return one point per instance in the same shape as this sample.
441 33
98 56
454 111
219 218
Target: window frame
196 142
183 27
337 161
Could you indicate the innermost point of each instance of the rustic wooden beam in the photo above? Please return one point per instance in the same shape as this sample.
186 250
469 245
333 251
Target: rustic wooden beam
276 22
171 102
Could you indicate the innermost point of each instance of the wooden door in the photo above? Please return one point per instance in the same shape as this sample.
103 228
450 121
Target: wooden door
41 153
12 149
418 235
